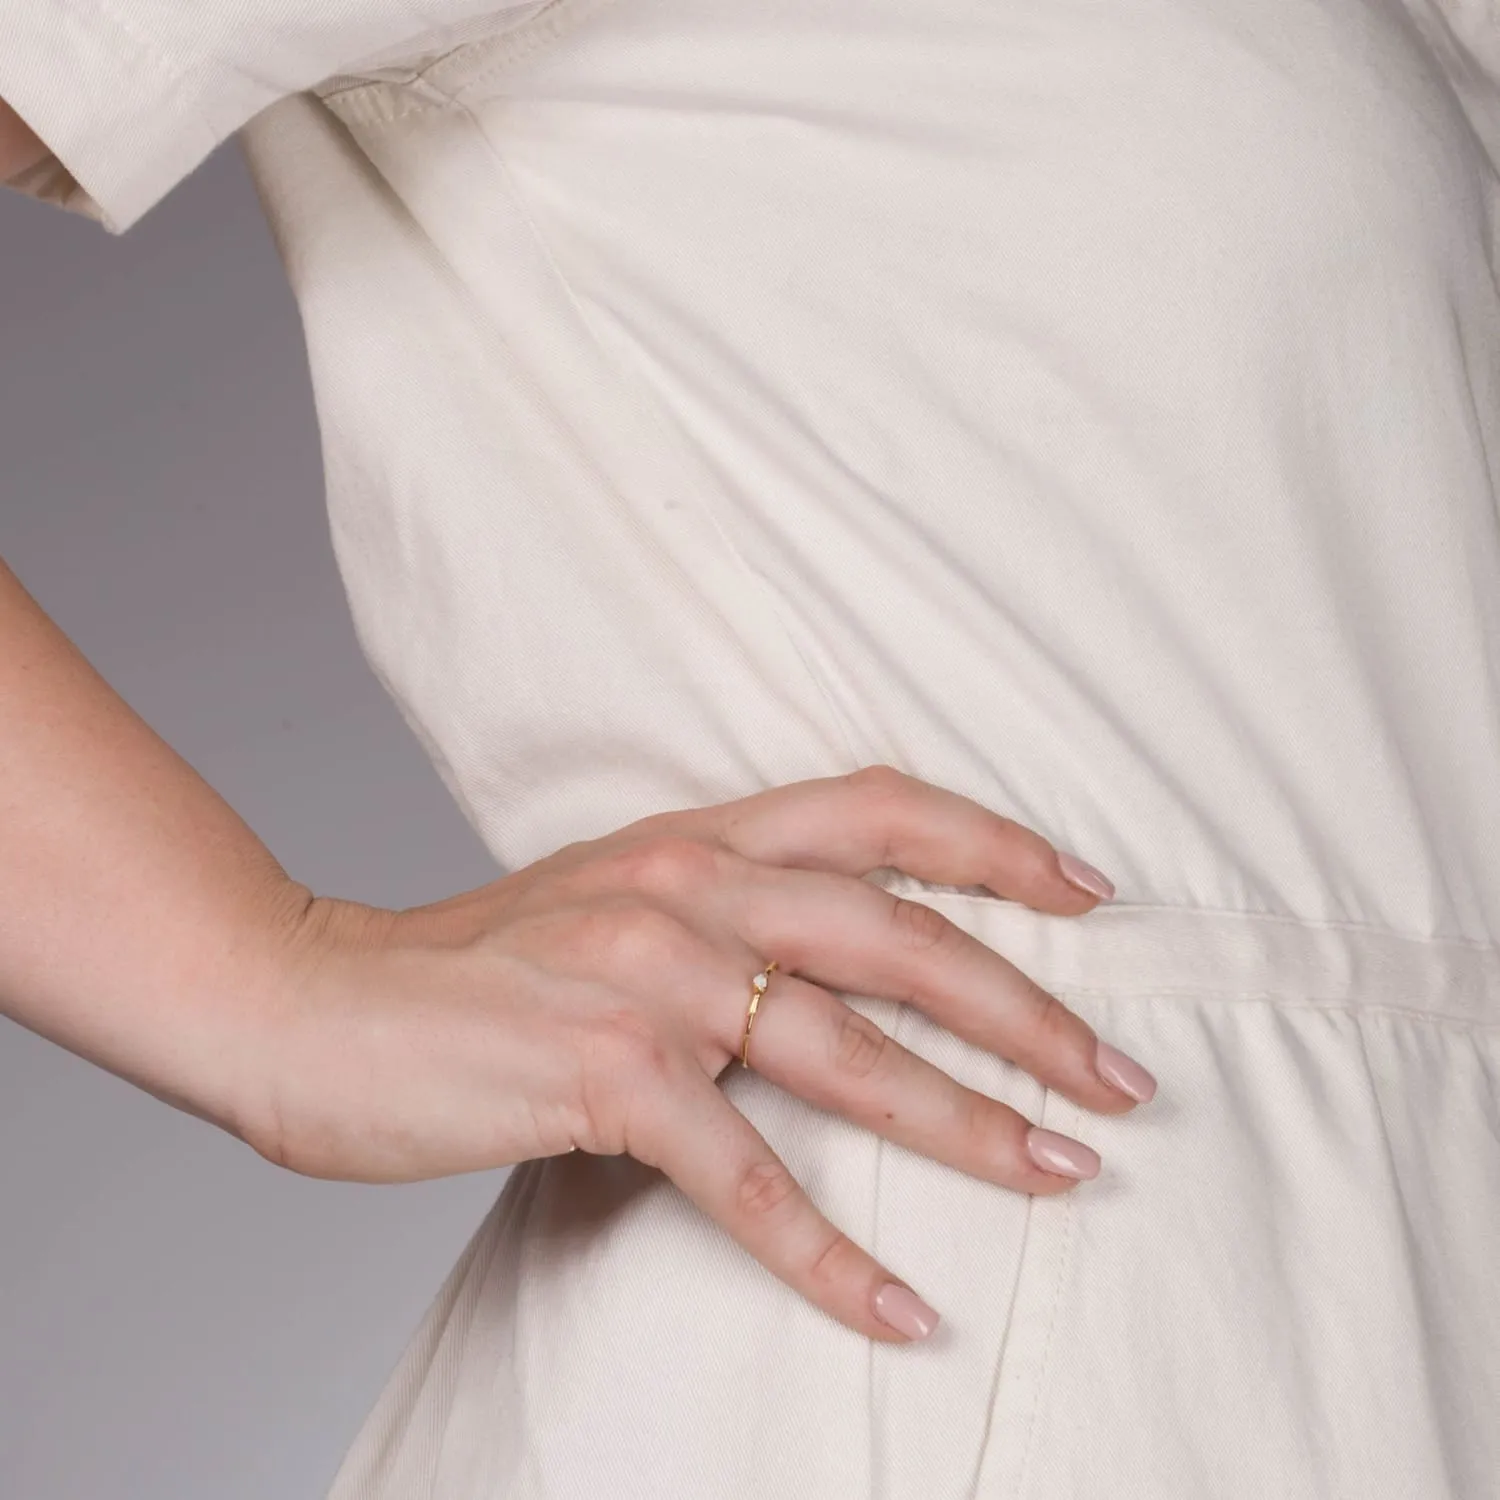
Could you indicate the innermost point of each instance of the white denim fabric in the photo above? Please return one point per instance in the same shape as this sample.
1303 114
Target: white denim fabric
1090 406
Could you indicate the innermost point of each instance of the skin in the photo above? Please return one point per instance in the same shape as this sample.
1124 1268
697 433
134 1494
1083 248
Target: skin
19 146
589 1001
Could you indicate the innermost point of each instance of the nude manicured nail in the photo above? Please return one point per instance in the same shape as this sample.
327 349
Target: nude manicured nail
1060 1153
906 1312
1123 1073
1085 876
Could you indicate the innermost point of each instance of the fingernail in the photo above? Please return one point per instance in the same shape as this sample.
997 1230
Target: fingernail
1123 1073
1084 876
903 1310
1060 1153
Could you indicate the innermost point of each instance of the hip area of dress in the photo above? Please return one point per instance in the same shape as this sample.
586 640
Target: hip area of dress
1281 1283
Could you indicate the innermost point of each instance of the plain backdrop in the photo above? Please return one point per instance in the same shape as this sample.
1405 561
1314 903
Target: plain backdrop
180 1320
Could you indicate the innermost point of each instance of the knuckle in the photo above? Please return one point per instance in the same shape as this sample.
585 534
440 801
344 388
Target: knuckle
829 1264
1027 856
879 792
1052 1023
878 788
879 780
981 1126
622 1043
667 864
859 1045
764 1188
624 1067
635 937
922 928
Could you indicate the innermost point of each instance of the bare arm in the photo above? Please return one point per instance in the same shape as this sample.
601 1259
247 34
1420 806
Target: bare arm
139 915
20 147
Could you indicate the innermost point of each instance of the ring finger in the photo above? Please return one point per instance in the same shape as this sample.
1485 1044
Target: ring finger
808 1041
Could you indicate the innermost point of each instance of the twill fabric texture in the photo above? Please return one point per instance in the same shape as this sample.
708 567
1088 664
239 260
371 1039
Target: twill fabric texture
1092 408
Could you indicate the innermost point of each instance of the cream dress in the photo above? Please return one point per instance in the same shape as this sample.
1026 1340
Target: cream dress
1091 406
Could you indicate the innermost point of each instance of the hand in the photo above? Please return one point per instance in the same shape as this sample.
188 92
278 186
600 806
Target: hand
592 999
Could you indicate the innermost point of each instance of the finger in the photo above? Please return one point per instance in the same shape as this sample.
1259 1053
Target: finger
853 936
813 1045
720 1161
879 817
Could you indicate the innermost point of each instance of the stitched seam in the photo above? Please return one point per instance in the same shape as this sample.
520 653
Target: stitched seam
505 35
386 116
514 46
898 1025
513 42
1483 945
1064 1256
997 1385
1353 1008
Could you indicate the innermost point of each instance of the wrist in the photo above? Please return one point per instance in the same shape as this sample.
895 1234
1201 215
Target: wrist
210 1051
267 960
318 940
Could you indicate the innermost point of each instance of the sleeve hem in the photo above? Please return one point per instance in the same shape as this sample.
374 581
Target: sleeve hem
122 126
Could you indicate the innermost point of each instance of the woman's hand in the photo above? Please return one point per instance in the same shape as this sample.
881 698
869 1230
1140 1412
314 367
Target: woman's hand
592 999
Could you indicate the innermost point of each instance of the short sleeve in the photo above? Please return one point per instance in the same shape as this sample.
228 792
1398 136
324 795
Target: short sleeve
130 96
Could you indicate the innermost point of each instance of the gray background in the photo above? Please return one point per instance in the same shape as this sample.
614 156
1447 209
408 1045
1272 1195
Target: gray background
180 1320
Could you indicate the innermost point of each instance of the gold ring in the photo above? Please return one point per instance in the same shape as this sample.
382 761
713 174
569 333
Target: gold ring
757 989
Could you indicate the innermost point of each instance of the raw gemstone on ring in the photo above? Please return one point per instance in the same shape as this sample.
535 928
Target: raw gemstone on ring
761 981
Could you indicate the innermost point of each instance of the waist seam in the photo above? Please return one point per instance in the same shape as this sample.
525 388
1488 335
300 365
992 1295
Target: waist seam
1285 999
1126 948
899 883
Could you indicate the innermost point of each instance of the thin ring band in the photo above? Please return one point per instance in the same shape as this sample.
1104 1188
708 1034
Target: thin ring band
757 989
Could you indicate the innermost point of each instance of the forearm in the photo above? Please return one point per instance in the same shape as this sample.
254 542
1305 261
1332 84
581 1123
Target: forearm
142 923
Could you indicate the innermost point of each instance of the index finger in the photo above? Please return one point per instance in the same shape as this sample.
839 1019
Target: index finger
878 816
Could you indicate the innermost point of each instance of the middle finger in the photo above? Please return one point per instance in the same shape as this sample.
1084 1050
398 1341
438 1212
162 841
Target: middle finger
849 934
